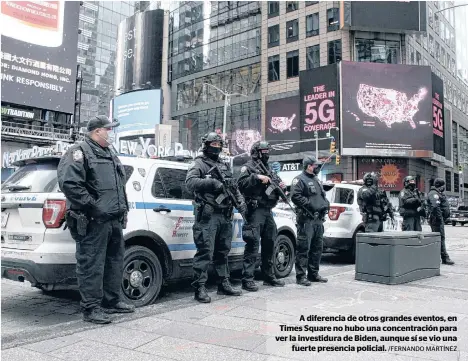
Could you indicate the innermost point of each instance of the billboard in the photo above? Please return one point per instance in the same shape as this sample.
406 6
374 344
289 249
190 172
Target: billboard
438 114
39 50
391 171
319 106
384 16
386 109
137 111
282 127
139 51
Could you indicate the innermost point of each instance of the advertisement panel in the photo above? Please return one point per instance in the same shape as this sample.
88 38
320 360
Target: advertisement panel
391 171
438 114
39 49
282 127
319 106
138 110
139 54
386 109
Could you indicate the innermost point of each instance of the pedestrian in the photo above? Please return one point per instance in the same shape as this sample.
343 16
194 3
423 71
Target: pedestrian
370 203
308 195
411 205
92 178
261 197
212 229
439 211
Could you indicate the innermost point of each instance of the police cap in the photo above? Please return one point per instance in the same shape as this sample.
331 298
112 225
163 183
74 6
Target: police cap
101 121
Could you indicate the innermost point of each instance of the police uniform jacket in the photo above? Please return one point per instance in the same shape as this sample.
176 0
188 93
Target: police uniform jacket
253 189
409 202
93 179
307 192
439 207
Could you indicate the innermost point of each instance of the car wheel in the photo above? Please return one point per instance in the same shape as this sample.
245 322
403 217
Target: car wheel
284 256
142 276
454 224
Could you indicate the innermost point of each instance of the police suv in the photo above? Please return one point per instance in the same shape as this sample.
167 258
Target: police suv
37 246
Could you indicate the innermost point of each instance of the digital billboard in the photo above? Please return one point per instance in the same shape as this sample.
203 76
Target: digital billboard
139 51
319 106
391 171
384 16
282 127
138 110
386 109
438 114
39 50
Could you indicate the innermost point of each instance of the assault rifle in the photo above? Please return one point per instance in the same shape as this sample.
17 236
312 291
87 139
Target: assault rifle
229 190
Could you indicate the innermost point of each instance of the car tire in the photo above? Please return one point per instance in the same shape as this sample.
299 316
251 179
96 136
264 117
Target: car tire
142 276
284 256
454 224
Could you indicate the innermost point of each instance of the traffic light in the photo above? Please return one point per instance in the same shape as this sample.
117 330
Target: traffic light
332 146
337 160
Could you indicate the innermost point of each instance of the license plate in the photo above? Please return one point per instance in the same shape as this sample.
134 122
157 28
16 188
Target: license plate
18 237
5 219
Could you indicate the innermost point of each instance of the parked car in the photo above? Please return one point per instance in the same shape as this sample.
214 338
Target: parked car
460 215
37 246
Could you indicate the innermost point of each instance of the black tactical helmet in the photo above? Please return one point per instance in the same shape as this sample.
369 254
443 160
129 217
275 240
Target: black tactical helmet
439 183
209 138
372 176
258 147
309 160
408 179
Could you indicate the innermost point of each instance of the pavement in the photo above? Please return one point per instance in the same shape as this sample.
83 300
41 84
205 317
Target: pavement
256 326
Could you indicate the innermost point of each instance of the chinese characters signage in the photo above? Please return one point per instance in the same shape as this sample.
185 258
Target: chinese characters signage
39 51
391 171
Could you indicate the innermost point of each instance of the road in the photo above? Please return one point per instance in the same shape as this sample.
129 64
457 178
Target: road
29 315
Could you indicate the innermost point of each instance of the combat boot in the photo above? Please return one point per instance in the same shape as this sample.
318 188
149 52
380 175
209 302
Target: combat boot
225 288
250 286
448 261
201 295
273 282
96 315
303 282
317 278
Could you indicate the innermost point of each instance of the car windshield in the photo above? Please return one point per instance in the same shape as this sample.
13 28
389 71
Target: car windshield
33 178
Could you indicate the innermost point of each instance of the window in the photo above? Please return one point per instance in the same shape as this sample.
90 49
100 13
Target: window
379 51
437 51
456 182
344 196
273 9
292 31
448 181
418 58
334 51
431 45
170 183
273 68
308 3
333 18
312 24
313 57
34 178
442 56
292 6
273 36
292 68
431 18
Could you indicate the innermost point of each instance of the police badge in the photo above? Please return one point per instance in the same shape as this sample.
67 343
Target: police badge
77 155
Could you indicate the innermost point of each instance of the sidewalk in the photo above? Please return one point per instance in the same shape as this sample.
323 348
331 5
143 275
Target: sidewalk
246 327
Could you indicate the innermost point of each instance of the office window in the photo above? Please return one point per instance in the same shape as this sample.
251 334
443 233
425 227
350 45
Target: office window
292 31
273 68
292 6
334 51
273 36
448 181
313 57
333 19
442 56
431 45
292 65
273 9
437 51
379 51
308 3
312 24
418 58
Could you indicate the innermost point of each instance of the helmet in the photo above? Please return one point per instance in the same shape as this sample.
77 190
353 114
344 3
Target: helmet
439 183
208 138
260 150
370 176
407 180
309 160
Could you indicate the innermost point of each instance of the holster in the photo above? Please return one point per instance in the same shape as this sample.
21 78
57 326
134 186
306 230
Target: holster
81 222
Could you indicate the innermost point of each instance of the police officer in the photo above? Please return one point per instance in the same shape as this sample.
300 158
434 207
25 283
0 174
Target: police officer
212 230
439 211
370 203
93 180
411 205
308 195
254 184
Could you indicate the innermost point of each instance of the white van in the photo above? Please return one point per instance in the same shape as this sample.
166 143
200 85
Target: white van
37 247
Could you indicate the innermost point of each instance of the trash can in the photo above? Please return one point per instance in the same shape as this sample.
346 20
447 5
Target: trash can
397 257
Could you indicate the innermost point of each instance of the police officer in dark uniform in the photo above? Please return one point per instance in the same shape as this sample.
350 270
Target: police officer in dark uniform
439 211
411 205
370 203
212 230
93 180
260 199
308 195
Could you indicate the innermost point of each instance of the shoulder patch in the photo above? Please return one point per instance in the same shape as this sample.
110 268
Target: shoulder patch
77 155
402 193
436 196
244 169
295 181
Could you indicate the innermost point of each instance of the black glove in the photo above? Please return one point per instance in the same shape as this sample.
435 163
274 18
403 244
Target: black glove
242 208
217 185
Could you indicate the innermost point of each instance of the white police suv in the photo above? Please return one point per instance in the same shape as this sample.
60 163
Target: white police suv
37 246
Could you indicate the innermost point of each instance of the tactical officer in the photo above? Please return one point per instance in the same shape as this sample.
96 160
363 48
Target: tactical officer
254 184
411 205
212 231
439 211
93 180
308 195
370 203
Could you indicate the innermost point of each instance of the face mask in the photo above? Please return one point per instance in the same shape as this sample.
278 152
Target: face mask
317 170
441 189
213 152
110 139
369 182
412 186
264 158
